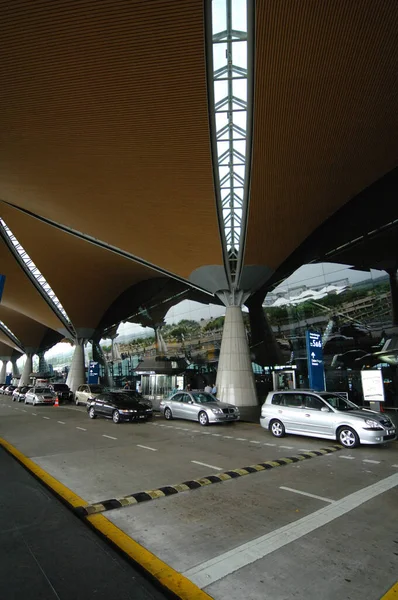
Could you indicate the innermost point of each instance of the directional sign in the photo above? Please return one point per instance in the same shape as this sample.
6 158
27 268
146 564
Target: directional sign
2 281
93 372
316 372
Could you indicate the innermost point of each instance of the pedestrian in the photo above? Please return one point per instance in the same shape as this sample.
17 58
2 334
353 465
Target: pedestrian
188 388
214 390
139 387
127 386
208 389
174 390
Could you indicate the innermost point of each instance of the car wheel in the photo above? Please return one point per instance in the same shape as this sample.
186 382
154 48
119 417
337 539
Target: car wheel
116 416
347 437
168 414
19 400
91 413
277 428
203 418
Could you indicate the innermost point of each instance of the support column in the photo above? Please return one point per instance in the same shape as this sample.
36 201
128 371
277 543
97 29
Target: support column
27 369
264 345
15 370
77 371
43 366
3 370
235 379
99 356
394 295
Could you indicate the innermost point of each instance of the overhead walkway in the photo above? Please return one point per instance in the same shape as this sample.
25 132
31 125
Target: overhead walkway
47 553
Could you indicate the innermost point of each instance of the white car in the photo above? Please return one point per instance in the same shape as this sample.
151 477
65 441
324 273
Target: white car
325 415
87 392
39 395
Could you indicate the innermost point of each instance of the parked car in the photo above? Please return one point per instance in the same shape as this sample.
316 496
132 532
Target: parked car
8 390
3 387
136 395
87 392
19 393
325 415
198 406
118 407
62 391
39 395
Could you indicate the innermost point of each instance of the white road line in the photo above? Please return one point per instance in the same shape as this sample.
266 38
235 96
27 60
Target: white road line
348 457
306 494
287 447
197 462
228 437
254 442
147 448
268 444
215 569
163 425
372 462
15 408
34 414
304 450
109 437
395 466
216 434
48 418
206 432
81 428
241 439
61 422
23 410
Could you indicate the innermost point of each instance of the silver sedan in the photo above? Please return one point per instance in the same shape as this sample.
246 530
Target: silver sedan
39 395
198 406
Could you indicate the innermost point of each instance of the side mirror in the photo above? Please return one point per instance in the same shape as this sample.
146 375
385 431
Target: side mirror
190 401
325 409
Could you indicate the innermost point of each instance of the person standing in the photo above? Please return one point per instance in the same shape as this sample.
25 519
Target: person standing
208 389
214 390
139 387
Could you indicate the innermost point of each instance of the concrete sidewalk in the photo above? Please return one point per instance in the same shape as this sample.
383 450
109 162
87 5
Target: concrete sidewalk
47 553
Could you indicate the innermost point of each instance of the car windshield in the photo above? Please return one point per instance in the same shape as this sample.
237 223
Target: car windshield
42 390
338 402
131 394
124 400
203 398
96 389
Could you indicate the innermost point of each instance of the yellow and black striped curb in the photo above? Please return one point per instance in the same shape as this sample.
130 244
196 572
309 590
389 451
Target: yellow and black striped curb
170 490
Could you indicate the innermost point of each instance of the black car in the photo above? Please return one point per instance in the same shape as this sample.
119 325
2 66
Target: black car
118 407
136 396
62 391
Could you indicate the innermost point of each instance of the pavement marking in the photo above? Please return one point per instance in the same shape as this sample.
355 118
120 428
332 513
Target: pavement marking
287 447
348 457
304 450
147 448
392 593
61 422
23 410
109 437
206 432
241 439
254 442
205 465
215 569
194 484
15 408
372 462
163 425
288 489
175 582
81 428
395 466
228 437
34 414
48 418
268 444
216 434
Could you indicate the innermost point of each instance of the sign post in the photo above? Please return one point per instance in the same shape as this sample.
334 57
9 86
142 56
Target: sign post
373 387
316 371
93 372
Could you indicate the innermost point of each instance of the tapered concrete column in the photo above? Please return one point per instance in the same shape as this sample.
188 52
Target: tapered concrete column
3 370
77 371
15 370
43 366
235 380
27 370
99 356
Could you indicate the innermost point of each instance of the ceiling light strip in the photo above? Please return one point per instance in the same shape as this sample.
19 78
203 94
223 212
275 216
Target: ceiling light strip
35 275
7 331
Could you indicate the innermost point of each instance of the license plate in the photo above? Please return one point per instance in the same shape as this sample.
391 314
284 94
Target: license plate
391 432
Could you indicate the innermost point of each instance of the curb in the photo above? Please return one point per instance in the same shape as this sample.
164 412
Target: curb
170 490
158 572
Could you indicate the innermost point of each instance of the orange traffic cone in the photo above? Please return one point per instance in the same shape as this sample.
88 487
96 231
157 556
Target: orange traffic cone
56 403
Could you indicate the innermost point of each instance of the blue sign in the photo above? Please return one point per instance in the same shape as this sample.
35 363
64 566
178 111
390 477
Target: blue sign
316 372
2 281
93 372
8 379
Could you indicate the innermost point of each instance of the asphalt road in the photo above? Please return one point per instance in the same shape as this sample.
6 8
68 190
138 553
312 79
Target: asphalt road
348 553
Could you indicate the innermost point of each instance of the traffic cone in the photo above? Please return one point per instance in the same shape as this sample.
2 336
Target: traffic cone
56 403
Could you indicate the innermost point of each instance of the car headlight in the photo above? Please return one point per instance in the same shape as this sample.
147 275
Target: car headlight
216 411
371 424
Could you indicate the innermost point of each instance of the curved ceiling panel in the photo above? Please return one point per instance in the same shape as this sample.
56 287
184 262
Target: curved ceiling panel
325 115
85 277
20 294
7 347
29 332
104 124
